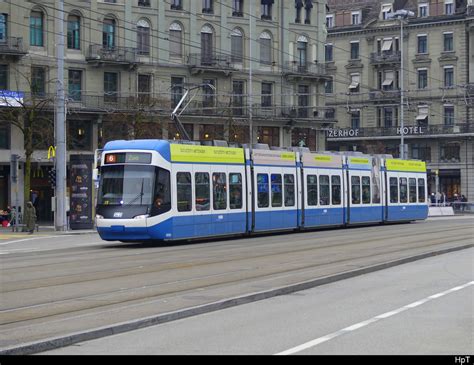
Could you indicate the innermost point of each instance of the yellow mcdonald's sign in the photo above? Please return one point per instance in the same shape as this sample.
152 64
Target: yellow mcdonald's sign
51 152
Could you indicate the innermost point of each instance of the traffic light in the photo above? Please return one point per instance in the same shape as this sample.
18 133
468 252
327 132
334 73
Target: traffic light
52 177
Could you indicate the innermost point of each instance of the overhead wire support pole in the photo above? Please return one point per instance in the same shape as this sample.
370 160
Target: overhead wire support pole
60 127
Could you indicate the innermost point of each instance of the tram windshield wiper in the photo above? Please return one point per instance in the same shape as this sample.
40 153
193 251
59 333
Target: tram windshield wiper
135 198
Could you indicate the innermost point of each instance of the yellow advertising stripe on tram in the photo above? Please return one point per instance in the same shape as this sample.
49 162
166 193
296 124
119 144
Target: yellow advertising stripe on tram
288 156
406 165
358 160
322 158
206 154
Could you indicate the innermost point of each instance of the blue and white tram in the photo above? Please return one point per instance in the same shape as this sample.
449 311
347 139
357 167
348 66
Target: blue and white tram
159 190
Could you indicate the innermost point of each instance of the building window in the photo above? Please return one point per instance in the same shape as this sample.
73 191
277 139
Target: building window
210 132
354 87
4 138
36 29
354 50
110 87
355 119
448 42
265 41
448 115
238 8
448 76
307 7
176 5
269 135
298 7
355 18
143 2
422 117
423 10
448 7
388 117
3 77
80 135
304 137
144 88
422 78
238 97
329 86
329 52
301 53
207 6
267 94
303 101
385 9
207 45
143 37
108 33
420 151
450 152
176 90
73 32
3 27
75 84
38 81
266 9
175 40
237 45
330 21
422 46
388 77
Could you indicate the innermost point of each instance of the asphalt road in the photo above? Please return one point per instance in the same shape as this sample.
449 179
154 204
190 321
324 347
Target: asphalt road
58 290
420 308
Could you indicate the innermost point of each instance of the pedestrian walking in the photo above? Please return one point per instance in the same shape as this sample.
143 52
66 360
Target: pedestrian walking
30 217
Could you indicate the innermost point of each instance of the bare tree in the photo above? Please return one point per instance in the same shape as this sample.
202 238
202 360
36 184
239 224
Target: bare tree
30 112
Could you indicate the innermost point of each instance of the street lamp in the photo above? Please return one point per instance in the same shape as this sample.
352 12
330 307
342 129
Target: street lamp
401 15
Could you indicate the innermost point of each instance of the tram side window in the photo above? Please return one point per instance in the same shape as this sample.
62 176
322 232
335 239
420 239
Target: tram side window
393 190
375 190
365 190
289 190
262 190
162 198
219 188
324 189
412 190
235 190
355 183
403 190
312 183
203 195
336 190
421 190
277 193
184 191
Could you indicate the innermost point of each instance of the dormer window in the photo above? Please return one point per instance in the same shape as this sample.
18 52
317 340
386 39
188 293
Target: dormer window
355 18
386 8
330 21
423 10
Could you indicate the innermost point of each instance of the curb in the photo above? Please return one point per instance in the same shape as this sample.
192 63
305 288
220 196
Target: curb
57 342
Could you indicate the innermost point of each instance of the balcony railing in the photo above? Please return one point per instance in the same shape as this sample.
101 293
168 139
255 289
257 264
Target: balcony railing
384 94
213 61
304 68
101 54
385 57
12 46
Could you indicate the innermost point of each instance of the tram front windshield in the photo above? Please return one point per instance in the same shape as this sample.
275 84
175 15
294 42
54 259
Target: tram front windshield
126 185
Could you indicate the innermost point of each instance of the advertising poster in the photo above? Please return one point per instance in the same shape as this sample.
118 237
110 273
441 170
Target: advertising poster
80 212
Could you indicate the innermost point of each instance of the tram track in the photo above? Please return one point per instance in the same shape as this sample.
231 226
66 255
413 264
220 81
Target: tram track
164 279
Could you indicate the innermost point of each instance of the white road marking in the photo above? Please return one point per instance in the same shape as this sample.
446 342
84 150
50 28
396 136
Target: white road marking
34 238
356 326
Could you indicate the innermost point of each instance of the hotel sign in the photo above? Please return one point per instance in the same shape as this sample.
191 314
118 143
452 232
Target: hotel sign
374 132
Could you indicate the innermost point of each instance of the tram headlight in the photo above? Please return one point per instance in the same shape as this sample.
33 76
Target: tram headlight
98 216
143 216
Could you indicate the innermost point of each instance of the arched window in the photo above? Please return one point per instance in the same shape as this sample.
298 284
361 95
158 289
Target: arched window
206 45
265 48
176 40
37 28
73 32
143 37
237 45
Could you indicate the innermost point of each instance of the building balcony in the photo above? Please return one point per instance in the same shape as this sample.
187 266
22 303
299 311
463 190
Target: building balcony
12 47
384 57
99 55
384 95
298 70
212 62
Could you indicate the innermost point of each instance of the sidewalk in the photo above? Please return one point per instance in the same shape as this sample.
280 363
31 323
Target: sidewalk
50 230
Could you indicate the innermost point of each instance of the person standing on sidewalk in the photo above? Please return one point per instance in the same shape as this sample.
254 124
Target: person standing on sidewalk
30 217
